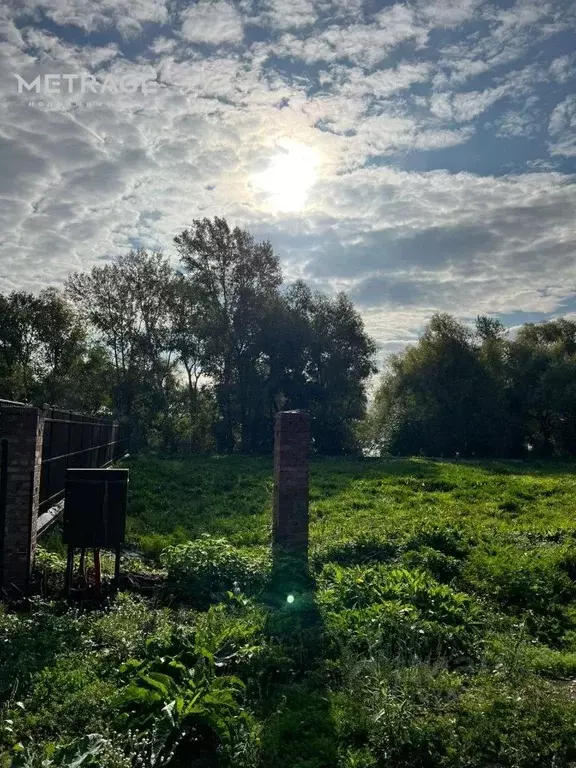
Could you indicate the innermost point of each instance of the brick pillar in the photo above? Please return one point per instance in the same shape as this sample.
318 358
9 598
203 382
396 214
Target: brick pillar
22 430
291 481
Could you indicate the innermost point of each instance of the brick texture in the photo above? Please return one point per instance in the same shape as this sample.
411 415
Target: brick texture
23 428
291 481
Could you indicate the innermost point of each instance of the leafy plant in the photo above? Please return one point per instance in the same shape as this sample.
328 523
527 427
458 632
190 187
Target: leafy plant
182 706
398 608
207 567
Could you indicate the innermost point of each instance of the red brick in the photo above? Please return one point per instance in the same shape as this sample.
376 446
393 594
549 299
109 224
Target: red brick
23 429
291 480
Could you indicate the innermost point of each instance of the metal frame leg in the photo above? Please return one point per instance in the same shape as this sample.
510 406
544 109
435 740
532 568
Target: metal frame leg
69 570
117 569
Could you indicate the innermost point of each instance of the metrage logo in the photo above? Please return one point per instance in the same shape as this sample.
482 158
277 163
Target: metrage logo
61 84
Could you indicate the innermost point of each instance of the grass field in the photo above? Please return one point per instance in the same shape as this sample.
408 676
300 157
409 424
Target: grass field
439 628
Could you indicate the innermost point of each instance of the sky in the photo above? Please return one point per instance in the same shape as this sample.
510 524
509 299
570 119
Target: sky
419 155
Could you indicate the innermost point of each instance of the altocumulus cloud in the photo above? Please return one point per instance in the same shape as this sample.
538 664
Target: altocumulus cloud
443 133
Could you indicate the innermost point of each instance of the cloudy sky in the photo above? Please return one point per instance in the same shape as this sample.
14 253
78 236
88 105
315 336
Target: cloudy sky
419 155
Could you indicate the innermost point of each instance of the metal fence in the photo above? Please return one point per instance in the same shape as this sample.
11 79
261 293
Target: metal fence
3 489
37 446
72 440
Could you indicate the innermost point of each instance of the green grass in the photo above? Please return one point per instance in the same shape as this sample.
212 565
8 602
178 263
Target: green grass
439 628
171 500
349 497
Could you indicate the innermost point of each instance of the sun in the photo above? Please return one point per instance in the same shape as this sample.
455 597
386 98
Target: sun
289 178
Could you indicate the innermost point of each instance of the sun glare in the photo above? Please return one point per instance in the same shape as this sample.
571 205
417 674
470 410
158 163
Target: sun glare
289 177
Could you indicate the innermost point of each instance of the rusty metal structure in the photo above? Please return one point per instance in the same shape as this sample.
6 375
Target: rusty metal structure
94 517
37 447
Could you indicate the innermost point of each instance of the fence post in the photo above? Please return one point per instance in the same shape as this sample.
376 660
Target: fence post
22 429
291 481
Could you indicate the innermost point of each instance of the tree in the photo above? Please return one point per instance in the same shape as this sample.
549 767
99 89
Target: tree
543 375
212 351
127 304
340 361
189 341
234 281
319 358
438 396
495 353
18 343
62 346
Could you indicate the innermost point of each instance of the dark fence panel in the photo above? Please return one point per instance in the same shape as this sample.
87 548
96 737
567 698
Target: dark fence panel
73 440
3 489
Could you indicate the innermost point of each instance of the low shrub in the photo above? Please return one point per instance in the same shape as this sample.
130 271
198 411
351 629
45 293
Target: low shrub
207 567
49 570
153 544
535 581
359 551
400 610
186 709
528 726
448 539
444 568
300 732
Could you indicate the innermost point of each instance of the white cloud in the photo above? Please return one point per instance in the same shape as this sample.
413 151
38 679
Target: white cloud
81 185
563 68
49 46
563 116
521 123
93 15
448 13
286 14
381 83
562 126
512 33
343 10
163 45
212 23
467 106
441 106
400 23
362 44
523 13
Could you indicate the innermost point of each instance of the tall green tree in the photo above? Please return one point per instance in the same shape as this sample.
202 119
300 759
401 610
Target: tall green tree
319 357
127 304
61 347
19 342
437 397
339 362
43 348
189 340
543 374
235 281
212 351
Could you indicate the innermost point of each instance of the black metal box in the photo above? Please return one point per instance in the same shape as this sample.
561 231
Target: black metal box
95 508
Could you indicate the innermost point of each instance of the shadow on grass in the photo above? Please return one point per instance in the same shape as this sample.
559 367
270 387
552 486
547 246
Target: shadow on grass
299 730
33 642
171 500
539 467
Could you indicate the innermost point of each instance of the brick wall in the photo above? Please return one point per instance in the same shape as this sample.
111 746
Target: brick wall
23 429
291 481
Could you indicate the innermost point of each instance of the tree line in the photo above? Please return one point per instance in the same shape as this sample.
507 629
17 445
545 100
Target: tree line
199 357
480 392
195 358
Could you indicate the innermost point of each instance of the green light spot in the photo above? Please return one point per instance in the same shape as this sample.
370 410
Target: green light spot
290 599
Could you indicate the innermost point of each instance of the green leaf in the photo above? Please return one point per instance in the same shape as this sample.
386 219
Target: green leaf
157 680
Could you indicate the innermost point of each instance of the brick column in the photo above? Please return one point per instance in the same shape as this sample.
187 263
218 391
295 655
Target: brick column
22 429
291 481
